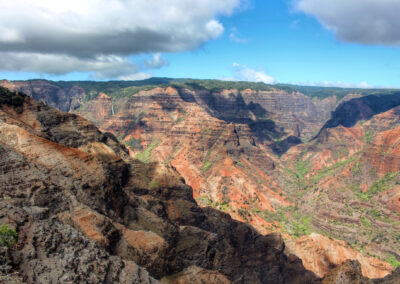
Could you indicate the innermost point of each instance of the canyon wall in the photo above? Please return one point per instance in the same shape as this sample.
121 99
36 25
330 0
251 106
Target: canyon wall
280 161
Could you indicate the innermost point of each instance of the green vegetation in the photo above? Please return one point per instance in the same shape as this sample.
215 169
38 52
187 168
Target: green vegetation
381 185
110 87
240 164
302 228
369 135
375 213
118 89
329 171
363 196
356 168
301 170
207 165
326 92
244 214
365 222
391 259
217 85
145 155
8 236
291 220
223 206
127 92
204 200
179 119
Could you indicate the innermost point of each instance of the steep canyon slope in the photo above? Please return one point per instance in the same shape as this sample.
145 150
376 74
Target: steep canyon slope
85 212
270 156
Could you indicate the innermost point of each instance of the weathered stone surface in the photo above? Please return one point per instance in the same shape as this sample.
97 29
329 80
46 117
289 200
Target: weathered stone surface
320 254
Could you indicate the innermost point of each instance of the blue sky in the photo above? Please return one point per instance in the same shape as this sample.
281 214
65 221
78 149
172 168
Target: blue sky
262 40
290 46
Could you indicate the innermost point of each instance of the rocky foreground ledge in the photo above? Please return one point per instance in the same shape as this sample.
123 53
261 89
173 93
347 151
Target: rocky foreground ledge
85 212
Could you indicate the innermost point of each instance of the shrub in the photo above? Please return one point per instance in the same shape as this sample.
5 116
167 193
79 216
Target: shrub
8 236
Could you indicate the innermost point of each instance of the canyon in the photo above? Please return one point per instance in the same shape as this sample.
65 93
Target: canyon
321 170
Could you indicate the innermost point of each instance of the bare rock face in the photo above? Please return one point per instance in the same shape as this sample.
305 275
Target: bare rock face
197 275
65 99
320 254
349 272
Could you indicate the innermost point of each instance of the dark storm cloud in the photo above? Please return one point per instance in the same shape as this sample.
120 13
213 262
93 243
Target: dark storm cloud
374 22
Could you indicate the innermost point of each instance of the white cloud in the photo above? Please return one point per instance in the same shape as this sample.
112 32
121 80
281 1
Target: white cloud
339 84
102 66
134 77
233 36
85 31
244 73
357 21
156 62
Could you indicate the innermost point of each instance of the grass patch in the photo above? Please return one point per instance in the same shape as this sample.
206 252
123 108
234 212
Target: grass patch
365 222
383 184
145 156
291 220
328 171
207 165
391 259
223 206
374 213
204 200
369 135
301 170
356 168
